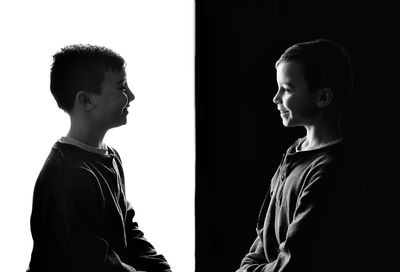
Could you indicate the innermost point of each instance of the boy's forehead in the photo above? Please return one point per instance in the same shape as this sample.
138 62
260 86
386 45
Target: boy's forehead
290 66
290 69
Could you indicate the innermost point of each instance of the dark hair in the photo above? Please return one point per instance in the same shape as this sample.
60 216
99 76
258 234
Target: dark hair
80 67
326 65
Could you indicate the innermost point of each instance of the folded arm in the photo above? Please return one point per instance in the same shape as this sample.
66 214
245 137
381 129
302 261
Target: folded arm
78 217
140 253
306 236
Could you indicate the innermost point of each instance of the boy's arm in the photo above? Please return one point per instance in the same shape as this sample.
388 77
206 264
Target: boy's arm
254 257
307 235
77 216
140 253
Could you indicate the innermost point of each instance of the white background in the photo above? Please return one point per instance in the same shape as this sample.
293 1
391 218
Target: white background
157 146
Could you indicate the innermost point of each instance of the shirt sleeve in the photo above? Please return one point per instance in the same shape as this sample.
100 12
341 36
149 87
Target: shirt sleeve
140 253
254 257
77 216
307 236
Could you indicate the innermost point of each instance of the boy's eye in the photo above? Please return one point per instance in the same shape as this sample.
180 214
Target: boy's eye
286 89
283 89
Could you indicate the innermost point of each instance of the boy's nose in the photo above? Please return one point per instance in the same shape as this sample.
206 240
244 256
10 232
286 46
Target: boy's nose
277 98
131 96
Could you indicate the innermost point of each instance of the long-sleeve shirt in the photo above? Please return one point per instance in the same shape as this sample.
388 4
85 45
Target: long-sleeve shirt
312 216
81 219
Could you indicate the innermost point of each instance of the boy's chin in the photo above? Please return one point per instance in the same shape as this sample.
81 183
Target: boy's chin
122 123
288 124
119 124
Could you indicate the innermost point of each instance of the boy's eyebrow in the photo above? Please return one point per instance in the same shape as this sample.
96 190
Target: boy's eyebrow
287 83
121 81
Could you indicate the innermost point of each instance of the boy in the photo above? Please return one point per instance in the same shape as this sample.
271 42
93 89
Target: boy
81 220
311 217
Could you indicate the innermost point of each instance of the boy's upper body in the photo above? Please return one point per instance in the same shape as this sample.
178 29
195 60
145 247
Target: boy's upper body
312 216
81 219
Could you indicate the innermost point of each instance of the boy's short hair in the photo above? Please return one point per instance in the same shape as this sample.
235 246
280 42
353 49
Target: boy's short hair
80 67
326 65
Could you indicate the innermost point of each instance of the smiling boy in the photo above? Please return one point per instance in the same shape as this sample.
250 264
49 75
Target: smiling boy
81 219
311 218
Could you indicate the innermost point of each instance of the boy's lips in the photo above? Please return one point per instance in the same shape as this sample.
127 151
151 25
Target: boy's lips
282 111
125 109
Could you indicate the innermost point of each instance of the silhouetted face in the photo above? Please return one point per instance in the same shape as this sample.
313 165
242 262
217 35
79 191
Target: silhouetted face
111 105
297 106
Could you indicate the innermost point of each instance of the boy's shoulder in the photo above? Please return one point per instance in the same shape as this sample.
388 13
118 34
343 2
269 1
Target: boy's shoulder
335 160
333 155
66 156
69 166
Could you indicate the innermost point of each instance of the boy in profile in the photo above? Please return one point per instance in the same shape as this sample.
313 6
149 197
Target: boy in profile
81 219
311 218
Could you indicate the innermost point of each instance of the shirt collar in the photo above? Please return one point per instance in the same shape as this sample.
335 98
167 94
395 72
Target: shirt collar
77 143
295 147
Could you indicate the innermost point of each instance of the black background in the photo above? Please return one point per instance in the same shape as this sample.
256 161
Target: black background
240 137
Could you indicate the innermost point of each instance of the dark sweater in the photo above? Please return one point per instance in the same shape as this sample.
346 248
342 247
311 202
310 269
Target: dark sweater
312 217
81 220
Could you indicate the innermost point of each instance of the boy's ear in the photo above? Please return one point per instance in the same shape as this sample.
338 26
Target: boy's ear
325 97
84 101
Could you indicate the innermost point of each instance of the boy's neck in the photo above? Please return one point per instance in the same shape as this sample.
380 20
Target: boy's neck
86 134
318 137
